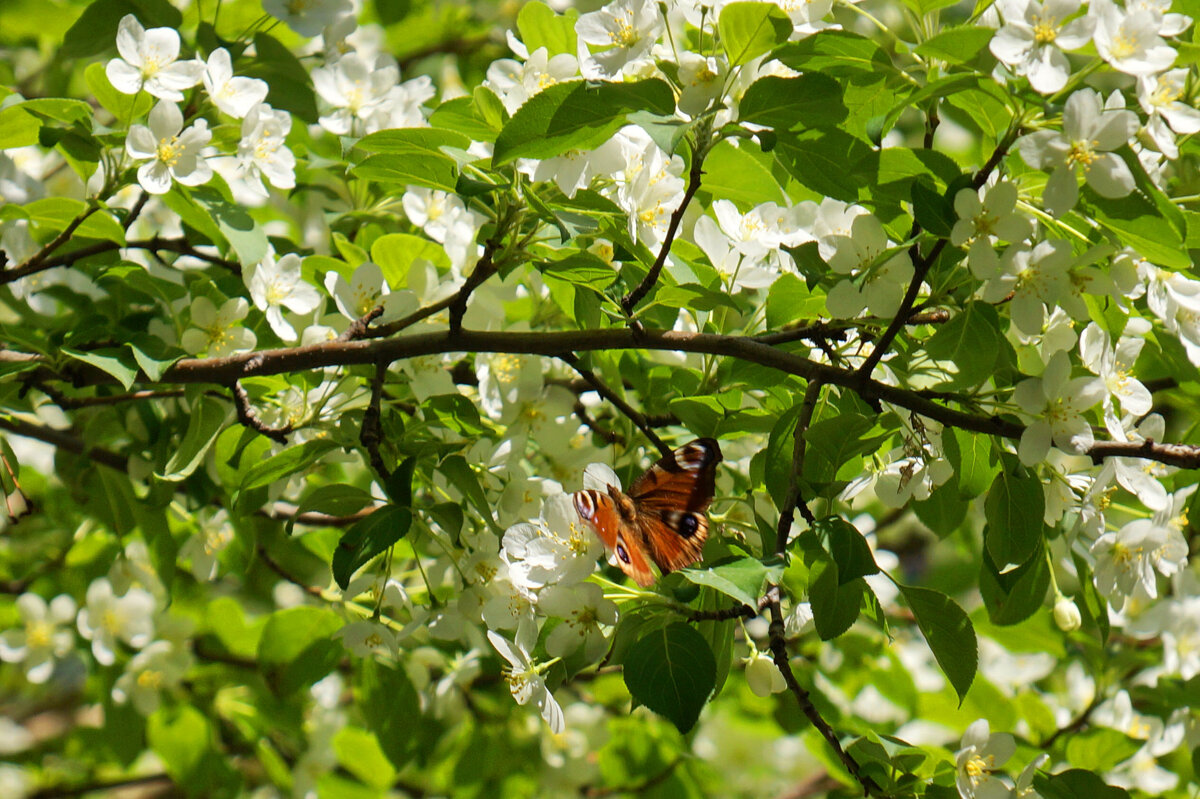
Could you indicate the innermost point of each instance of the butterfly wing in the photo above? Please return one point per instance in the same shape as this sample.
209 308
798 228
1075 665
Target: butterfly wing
627 543
671 498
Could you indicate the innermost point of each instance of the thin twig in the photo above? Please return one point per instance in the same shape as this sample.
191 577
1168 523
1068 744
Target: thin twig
62 792
359 327
64 441
794 500
640 787
630 300
248 417
156 244
274 566
624 407
485 267
32 264
921 266
371 433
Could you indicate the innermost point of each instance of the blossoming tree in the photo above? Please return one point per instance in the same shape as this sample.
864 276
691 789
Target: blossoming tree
331 331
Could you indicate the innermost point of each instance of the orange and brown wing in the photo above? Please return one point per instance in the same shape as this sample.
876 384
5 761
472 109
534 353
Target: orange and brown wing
671 499
600 512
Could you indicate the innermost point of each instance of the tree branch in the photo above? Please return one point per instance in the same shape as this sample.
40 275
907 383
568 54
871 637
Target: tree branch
248 417
630 300
181 246
224 370
371 433
624 407
795 500
34 262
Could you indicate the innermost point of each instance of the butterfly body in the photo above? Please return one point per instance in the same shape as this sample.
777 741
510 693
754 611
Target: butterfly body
661 519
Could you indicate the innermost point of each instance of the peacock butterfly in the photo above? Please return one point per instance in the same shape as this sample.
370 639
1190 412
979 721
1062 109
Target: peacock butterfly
661 518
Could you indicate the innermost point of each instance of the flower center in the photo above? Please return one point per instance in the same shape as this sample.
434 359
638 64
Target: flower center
38 634
150 679
169 150
1083 153
624 34
977 767
1045 29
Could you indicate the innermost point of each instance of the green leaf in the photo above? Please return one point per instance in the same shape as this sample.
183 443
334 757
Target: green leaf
1098 749
297 648
848 548
1137 222
812 100
1077 784
60 109
923 7
413 141
418 169
334 500
672 671
956 45
741 578
971 340
944 510
836 53
205 421
582 269
463 477
454 412
110 360
577 115
391 708
395 254
462 115
367 538
152 354
780 447
790 300
750 29
359 752
18 127
110 497
971 456
288 79
540 26
1014 508
700 415
835 605
96 29
734 173
247 237
931 209
827 162
181 736
125 107
948 632
1015 595
181 202
58 213
833 443
286 463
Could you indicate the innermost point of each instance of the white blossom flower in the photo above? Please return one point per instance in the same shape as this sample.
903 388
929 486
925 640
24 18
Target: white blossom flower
556 548
702 78
446 220
625 30
737 270
356 89
1128 38
857 250
1067 615
1034 36
583 609
216 331
278 284
1126 561
1091 131
367 638
1057 402
149 60
159 667
108 617
648 186
984 217
1023 789
982 753
262 153
1039 278
308 17
1161 98
41 640
763 676
234 96
1139 477
525 679
515 82
205 545
1114 365
172 152
367 290
1169 24
15 782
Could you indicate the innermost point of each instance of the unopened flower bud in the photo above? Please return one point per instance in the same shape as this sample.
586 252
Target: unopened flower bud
1066 615
762 676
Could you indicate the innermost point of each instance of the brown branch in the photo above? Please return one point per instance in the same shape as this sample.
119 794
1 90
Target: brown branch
921 266
725 614
224 370
610 436
485 267
1075 725
61 792
71 403
286 511
156 244
624 407
371 433
795 500
248 417
779 654
359 327
630 300
64 441
835 330
34 262
274 566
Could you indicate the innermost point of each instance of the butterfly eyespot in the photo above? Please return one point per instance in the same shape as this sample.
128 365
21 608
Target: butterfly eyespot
622 554
687 526
584 505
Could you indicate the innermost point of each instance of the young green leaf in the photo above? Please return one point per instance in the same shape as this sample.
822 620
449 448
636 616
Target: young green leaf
672 671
